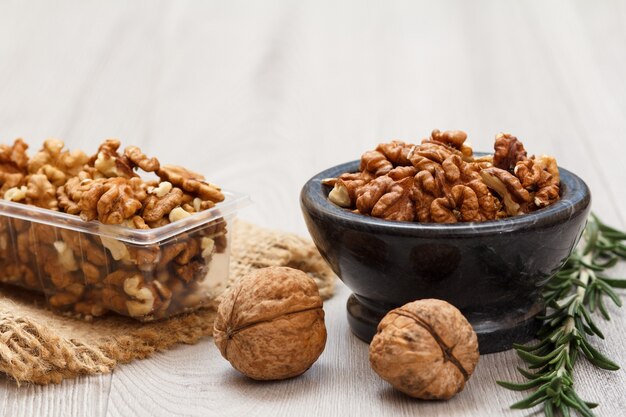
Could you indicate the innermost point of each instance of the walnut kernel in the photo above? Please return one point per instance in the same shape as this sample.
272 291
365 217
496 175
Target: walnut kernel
162 189
340 195
178 213
143 302
66 256
16 193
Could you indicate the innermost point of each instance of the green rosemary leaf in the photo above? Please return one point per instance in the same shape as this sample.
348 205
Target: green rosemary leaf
564 410
608 263
602 308
592 266
556 321
597 358
579 406
614 234
523 386
583 404
533 399
591 324
615 283
567 271
579 283
584 347
556 335
530 348
583 328
537 366
591 296
557 360
531 375
564 339
605 249
606 288
536 360
570 359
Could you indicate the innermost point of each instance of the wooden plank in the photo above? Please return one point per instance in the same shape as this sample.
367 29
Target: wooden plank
79 397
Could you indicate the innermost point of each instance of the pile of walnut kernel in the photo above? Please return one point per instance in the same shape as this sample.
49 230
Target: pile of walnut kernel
441 181
88 275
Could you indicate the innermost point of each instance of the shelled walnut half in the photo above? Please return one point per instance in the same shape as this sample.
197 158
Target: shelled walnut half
442 181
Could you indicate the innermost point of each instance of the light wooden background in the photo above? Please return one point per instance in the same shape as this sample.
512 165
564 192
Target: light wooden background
262 95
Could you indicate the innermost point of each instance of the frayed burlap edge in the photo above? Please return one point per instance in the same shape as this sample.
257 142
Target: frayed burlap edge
41 347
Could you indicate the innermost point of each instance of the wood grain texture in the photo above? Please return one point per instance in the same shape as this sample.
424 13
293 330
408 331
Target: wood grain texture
261 96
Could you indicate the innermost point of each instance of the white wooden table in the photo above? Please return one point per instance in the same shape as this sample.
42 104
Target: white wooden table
262 95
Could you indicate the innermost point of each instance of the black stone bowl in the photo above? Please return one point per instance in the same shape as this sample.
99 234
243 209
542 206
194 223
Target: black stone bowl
492 271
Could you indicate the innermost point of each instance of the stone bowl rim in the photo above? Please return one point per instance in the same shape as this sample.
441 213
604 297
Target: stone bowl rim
575 196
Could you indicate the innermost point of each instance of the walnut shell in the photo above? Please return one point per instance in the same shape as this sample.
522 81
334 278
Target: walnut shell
426 349
271 324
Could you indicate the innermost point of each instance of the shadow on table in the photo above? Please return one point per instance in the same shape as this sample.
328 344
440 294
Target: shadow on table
280 390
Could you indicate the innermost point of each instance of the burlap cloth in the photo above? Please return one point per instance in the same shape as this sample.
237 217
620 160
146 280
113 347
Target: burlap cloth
37 345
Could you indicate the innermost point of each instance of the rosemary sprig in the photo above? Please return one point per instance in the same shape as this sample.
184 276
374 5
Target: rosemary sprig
572 296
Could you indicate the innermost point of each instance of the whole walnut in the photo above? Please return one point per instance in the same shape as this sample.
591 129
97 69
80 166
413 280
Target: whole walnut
270 325
426 349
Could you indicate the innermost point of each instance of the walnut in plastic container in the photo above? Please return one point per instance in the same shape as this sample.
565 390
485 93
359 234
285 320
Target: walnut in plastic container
89 268
94 237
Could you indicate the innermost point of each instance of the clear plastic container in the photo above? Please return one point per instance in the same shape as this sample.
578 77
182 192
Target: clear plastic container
88 268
